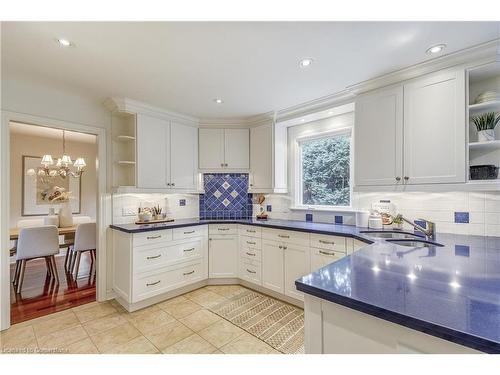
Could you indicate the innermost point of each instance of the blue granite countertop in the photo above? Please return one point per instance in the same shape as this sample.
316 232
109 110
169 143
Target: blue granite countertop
452 292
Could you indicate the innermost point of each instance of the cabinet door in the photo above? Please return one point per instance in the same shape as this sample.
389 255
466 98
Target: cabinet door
153 149
378 137
237 148
211 148
183 156
223 256
321 257
273 266
261 157
434 129
297 264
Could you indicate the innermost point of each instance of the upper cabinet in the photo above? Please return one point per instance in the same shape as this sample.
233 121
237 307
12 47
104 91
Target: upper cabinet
261 158
183 156
224 149
412 133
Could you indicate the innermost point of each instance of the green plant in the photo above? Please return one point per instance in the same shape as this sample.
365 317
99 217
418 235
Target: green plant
486 121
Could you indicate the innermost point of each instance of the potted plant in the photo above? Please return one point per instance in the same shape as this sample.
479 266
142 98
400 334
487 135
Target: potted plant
485 125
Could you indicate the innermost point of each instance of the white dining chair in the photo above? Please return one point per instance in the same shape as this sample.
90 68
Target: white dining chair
34 243
85 240
69 239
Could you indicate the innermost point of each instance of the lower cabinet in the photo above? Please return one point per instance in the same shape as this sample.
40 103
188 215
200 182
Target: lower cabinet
297 264
223 256
273 266
321 257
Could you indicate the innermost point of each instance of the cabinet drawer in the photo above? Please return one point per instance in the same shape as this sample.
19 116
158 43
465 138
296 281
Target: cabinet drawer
335 243
251 242
251 271
299 238
154 283
320 258
223 229
153 237
251 254
189 232
249 230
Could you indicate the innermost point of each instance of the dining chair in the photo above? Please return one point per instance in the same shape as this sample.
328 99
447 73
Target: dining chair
69 239
85 240
34 243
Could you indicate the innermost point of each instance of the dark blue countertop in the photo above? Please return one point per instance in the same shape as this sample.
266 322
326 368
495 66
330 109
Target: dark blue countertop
451 292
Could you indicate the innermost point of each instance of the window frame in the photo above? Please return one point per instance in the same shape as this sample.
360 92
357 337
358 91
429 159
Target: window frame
298 185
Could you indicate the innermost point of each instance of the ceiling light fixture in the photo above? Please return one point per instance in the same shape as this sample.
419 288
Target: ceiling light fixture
64 42
218 101
304 63
432 50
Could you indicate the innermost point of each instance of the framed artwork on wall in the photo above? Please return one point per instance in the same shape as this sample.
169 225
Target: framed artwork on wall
39 191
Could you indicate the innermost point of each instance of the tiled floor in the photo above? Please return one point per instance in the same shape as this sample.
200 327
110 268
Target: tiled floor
181 325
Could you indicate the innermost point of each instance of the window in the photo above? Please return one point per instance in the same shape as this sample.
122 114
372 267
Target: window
324 163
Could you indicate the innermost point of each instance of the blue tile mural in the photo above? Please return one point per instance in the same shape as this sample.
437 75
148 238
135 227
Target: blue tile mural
309 217
226 197
339 219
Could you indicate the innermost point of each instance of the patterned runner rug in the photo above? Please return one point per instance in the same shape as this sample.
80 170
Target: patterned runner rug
278 324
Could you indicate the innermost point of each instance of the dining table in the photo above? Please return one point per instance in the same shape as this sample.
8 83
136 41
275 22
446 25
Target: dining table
14 232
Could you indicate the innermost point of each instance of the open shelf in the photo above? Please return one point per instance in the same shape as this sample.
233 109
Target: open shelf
491 106
487 146
125 162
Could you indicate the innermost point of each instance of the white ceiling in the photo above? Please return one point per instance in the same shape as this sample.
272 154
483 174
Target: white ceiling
45 132
183 66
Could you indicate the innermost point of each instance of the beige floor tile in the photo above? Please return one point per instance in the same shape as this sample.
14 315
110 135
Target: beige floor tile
247 344
19 339
179 308
47 327
118 306
119 335
150 321
200 319
196 293
56 315
85 346
145 310
227 291
193 344
105 323
139 345
62 338
208 299
168 334
220 333
94 312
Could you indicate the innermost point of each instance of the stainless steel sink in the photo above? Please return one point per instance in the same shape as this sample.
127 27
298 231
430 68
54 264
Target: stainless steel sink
388 234
414 243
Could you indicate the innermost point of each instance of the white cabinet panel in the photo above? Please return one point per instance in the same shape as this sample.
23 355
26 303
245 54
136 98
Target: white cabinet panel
378 137
236 146
320 258
273 266
434 129
223 256
261 157
211 148
183 156
297 264
153 145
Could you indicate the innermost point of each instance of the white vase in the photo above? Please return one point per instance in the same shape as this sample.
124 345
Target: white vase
486 135
65 216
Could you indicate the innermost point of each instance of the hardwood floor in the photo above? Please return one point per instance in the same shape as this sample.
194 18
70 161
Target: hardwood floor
42 296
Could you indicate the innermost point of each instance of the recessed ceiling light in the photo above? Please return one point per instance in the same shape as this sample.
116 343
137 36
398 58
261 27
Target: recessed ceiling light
64 42
432 50
330 113
218 101
302 120
304 63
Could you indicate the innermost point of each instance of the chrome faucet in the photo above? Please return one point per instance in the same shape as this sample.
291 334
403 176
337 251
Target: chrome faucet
429 230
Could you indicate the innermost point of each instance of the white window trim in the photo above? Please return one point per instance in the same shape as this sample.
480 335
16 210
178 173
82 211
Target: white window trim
298 170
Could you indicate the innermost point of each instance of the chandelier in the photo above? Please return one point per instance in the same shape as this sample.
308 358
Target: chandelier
62 167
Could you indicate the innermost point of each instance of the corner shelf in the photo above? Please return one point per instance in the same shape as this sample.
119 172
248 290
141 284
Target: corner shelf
125 138
487 146
125 162
490 106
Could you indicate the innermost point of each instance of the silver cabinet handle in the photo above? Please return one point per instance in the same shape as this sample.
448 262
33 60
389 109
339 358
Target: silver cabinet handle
250 271
154 257
173 183
284 247
281 247
251 243
221 164
188 273
168 184
398 179
153 237
326 253
406 178
225 165
251 254
250 231
191 232
223 229
327 242
283 236
151 284
186 250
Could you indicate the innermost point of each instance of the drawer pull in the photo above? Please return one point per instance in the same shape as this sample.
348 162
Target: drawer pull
186 250
283 236
327 242
251 243
191 232
251 254
326 253
223 229
154 257
153 237
250 231
151 284
188 273
250 271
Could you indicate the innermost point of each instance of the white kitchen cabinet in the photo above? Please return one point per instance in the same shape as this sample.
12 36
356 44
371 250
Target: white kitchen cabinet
273 267
183 156
224 149
261 158
321 258
223 256
434 129
297 264
378 137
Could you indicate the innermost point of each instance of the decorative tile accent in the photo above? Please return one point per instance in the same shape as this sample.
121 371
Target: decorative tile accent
269 208
462 250
182 202
339 219
309 217
226 197
462 217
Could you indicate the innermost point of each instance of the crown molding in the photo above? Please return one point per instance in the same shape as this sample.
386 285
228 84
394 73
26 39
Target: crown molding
115 104
237 122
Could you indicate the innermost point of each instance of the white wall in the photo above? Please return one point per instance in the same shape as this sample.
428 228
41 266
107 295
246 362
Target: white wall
29 145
